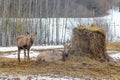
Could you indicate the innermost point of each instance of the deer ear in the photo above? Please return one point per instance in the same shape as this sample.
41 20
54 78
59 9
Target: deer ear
27 32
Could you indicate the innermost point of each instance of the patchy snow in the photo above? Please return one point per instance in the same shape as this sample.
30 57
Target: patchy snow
46 47
33 52
54 78
114 54
36 77
33 55
10 49
7 49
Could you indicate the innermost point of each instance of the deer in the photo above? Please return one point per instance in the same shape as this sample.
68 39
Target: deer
49 56
25 43
67 49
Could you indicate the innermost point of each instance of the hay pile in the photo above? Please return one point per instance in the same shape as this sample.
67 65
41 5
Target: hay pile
89 40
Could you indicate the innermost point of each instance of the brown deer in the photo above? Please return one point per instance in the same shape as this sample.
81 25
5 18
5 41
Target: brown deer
25 43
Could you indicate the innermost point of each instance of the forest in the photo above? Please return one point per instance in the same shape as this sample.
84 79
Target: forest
53 8
72 39
44 17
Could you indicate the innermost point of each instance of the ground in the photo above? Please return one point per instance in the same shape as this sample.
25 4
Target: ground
74 66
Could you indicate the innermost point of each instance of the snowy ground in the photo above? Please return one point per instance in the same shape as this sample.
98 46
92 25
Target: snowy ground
34 77
39 77
35 51
114 54
10 49
11 52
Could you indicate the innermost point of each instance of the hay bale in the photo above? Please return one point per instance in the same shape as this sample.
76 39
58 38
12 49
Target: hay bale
89 40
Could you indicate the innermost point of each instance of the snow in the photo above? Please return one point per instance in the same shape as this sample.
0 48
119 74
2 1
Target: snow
35 77
33 52
47 47
65 25
114 54
33 55
113 19
7 49
10 49
114 22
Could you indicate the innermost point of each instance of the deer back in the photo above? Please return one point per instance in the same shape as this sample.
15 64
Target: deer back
26 41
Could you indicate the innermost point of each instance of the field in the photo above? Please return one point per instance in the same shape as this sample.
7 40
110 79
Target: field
75 66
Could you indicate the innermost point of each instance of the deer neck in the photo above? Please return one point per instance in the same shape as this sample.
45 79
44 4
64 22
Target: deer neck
31 41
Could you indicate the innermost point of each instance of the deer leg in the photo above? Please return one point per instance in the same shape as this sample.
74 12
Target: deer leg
63 56
19 54
24 55
28 58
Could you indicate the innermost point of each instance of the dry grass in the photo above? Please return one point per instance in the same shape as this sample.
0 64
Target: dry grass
114 46
75 66
92 28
